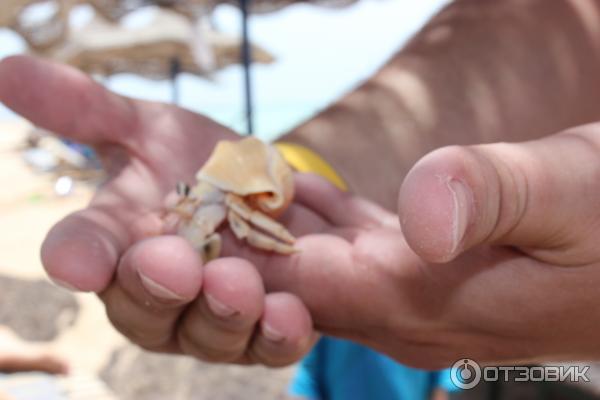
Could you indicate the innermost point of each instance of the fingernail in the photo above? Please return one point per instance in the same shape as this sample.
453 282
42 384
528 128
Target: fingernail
158 290
64 284
462 198
219 308
271 333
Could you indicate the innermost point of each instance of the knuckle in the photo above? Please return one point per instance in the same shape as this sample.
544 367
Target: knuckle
272 357
209 350
146 338
236 324
144 329
515 185
279 354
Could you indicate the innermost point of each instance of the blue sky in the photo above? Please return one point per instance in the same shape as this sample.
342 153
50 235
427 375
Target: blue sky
320 54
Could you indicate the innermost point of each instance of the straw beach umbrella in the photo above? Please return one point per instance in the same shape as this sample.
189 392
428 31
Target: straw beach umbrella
38 34
114 10
108 48
105 48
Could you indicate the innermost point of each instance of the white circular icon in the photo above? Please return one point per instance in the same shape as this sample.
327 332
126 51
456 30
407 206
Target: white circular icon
465 373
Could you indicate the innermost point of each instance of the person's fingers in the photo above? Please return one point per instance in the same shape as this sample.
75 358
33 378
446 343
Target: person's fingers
333 276
220 324
156 279
285 333
342 209
541 196
332 246
66 101
81 252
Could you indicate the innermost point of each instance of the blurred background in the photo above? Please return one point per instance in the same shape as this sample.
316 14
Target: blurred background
305 56
317 53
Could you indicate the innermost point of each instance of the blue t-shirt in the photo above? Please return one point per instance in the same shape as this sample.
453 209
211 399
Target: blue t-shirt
338 369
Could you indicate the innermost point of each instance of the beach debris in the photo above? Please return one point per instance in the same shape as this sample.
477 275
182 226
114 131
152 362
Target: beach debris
67 161
63 186
40 159
245 183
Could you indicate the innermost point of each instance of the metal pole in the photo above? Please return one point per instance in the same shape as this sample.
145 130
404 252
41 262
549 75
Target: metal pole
175 71
247 60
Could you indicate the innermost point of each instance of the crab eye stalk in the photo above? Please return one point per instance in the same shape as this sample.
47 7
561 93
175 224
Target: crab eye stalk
182 189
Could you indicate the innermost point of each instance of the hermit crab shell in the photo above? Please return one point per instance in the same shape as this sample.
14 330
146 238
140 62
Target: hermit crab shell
252 169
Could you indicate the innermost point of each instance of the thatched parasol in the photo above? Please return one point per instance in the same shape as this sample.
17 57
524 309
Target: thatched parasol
114 10
105 48
39 34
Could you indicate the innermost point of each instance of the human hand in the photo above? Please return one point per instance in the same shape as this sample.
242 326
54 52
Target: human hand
150 284
496 258
504 271
517 226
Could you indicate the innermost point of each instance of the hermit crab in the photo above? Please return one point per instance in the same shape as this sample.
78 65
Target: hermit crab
246 183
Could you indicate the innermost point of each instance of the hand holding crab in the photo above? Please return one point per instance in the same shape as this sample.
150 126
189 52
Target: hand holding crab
156 289
354 270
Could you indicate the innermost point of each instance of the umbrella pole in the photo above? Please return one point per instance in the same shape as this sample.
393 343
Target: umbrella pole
247 59
175 71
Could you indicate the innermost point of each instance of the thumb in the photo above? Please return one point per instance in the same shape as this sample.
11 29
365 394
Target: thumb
66 101
541 196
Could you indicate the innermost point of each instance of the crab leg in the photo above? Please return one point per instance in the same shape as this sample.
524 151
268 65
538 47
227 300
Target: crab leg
259 219
184 207
208 218
200 230
211 248
242 230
